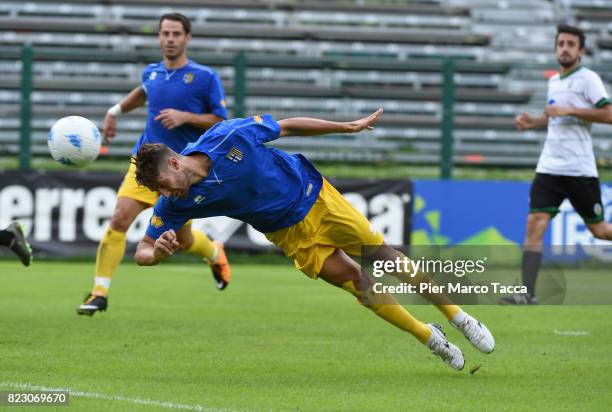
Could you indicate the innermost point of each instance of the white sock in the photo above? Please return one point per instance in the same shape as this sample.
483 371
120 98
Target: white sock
215 254
103 282
431 337
459 317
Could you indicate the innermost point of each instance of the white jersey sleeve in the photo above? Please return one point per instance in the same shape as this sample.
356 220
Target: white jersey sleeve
595 90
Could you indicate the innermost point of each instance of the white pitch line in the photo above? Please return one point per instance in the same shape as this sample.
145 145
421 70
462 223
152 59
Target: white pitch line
95 395
571 332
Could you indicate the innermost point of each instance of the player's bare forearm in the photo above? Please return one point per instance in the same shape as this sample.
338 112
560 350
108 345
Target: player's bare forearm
150 252
601 115
202 121
145 254
133 100
306 126
540 122
172 118
525 121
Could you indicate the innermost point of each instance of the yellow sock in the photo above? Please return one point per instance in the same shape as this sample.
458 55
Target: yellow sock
441 301
450 311
110 254
387 308
202 246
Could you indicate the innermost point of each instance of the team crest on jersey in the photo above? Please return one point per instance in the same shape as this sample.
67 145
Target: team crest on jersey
235 155
198 199
156 221
258 119
188 78
152 76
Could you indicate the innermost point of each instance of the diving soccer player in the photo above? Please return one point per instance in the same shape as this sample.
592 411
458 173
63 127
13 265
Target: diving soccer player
230 171
184 99
566 169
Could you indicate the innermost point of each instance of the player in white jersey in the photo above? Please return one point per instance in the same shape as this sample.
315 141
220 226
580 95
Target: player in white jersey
576 99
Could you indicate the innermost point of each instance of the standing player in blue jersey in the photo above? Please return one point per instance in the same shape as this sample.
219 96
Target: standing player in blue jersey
184 99
230 171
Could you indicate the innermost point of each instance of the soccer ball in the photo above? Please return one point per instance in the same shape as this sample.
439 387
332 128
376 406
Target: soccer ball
74 141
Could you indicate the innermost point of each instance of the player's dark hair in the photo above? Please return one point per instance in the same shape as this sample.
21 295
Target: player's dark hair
150 160
184 20
566 28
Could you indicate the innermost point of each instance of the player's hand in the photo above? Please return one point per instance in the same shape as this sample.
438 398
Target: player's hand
557 111
109 128
166 245
366 122
171 118
524 122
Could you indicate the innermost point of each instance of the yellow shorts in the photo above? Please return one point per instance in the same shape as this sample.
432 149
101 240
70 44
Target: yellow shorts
130 188
331 223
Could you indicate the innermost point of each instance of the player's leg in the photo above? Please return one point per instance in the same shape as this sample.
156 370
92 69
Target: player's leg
131 200
546 195
301 243
449 309
537 223
601 230
475 332
341 271
196 242
111 251
13 238
341 225
585 197
346 228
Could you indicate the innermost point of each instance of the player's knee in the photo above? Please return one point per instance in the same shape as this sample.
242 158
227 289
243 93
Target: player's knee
121 220
355 276
536 226
354 281
365 294
386 252
537 220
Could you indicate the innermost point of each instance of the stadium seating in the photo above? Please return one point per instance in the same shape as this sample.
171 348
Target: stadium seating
330 58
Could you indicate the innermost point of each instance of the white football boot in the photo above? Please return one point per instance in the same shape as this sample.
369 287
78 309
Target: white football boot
477 333
441 347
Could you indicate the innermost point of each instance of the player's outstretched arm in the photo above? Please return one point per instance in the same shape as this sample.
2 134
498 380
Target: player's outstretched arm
306 126
134 99
150 252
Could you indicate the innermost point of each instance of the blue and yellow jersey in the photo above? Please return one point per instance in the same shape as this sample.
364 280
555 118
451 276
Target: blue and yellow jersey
192 88
249 181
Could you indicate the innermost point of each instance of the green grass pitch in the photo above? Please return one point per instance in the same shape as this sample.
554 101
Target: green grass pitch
276 340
